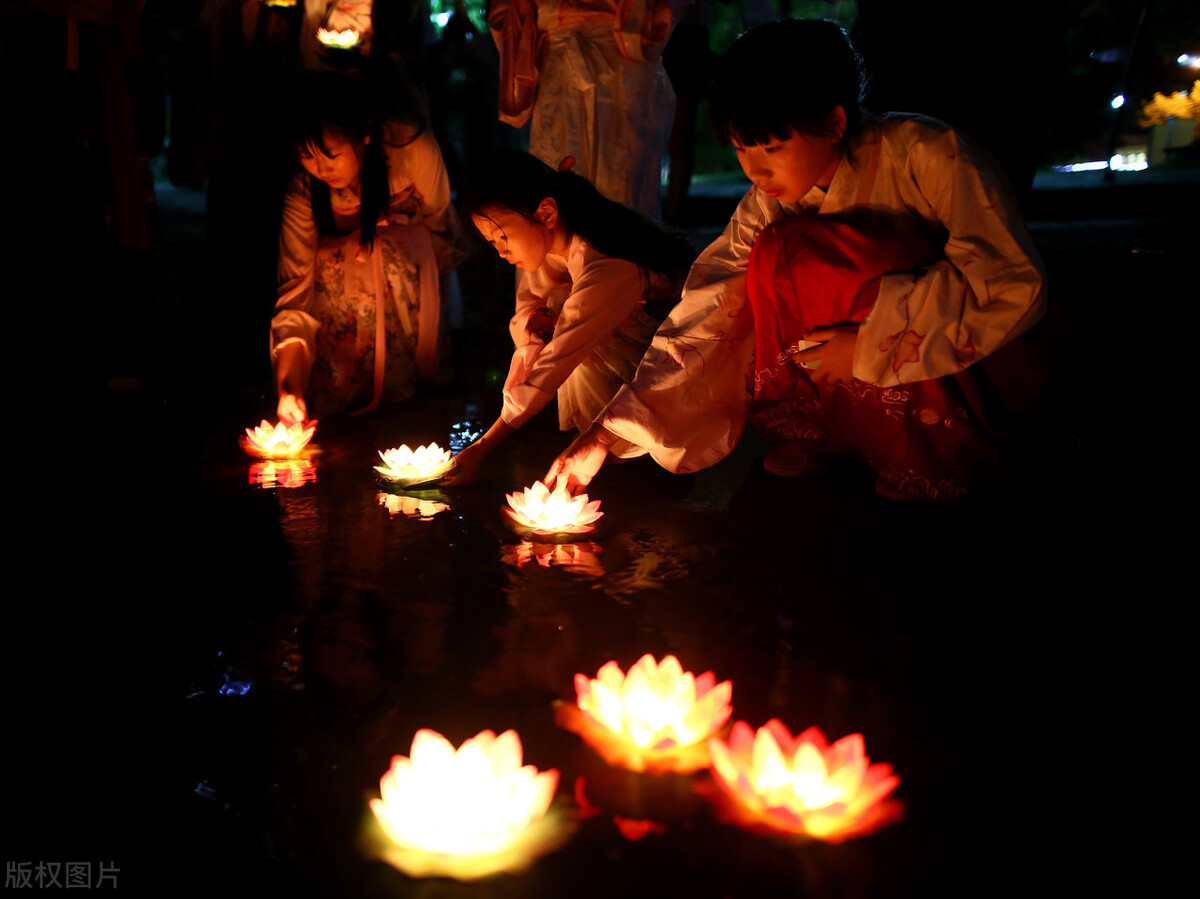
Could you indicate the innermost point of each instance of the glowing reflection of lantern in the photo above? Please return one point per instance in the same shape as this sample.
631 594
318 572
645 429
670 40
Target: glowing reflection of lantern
633 829
411 506
802 784
339 40
656 719
465 813
283 473
581 558
405 467
279 441
543 512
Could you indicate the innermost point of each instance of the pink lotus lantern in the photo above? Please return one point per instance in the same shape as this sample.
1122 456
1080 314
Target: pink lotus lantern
406 468
465 813
802 784
279 441
542 512
411 506
283 473
657 719
339 40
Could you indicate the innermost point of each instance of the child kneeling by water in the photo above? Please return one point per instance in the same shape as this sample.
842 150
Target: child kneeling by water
870 296
593 273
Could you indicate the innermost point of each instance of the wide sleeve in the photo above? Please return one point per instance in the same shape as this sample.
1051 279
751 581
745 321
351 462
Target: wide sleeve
424 165
989 288
601 299
687 402
513 24
293 320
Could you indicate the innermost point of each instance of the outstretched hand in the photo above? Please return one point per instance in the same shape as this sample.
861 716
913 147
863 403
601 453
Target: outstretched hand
466 465
292 409
580 461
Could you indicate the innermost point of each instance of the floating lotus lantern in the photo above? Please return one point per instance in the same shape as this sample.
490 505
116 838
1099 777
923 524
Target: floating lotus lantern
802 784
657 719
279 441
405 468
541 512
412 506
339 40
465 813
283 473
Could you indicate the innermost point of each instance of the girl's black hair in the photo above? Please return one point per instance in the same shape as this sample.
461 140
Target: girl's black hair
345 106
784 77
519 181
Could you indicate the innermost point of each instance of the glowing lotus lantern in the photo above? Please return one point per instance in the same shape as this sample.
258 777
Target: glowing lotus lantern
279 441
656 719
802 784
412 506
465 813
405 467
545 513
339 40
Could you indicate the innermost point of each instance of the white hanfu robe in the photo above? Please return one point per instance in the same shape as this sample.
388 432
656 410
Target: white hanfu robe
591 74
687 405
601 331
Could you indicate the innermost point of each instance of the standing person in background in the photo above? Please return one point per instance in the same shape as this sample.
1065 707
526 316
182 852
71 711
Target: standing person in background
590 73
367 230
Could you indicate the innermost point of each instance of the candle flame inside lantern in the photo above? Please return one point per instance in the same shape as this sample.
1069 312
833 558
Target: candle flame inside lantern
545 512
408 467
803 784
658 718
445 809
279 441
342 40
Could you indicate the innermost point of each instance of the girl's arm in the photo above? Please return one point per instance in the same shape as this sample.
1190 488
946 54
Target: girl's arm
989 289
293 327
603 294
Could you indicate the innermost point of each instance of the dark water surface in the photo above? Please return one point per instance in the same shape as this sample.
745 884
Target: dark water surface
205 677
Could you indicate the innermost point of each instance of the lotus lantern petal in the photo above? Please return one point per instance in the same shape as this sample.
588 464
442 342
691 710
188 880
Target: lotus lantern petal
803 784
658 718
464 813
543 512
341 40
405 467
278 441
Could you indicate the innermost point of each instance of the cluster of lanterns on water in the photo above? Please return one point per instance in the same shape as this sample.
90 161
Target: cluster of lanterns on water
477 810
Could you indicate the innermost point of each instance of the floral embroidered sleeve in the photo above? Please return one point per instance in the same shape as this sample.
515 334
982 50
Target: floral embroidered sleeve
989 288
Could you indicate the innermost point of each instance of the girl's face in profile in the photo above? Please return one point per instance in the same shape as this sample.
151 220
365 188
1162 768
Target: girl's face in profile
339 167
788 169
521 241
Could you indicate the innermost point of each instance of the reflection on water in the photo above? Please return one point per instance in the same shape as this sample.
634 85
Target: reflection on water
283 473
408 609
423 505
465 432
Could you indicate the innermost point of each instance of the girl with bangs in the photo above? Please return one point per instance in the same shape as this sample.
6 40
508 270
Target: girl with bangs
869 297
367 231
596 279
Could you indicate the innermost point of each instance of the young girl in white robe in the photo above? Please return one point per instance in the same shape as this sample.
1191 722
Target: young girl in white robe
869 297
367 230
597 278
